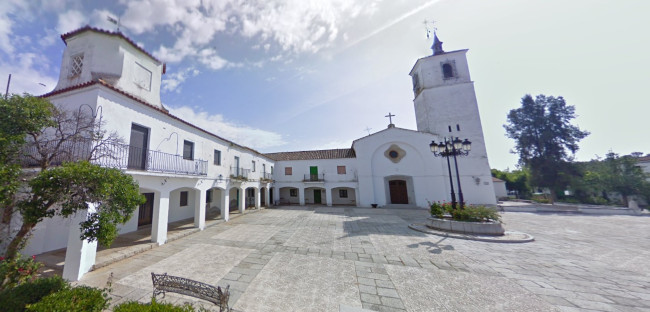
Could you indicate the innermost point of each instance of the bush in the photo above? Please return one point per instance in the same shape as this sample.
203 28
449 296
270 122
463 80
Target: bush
154 306
475 214
77 299
437 210
15 299
541 199
468 213
17 270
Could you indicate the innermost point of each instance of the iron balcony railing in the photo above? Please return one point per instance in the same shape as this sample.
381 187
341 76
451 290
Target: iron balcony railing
267 176
112 155
239 173
314 177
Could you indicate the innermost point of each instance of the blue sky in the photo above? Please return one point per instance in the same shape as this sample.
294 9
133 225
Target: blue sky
284 75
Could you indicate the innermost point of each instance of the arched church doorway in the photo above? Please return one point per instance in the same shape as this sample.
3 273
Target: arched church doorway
398 192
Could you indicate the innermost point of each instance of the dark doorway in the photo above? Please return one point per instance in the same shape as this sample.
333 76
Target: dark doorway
250 197
138 147
271 196
398 192
145 214
317 198
234 202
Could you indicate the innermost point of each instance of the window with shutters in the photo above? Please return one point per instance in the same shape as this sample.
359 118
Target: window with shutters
188 150
217 157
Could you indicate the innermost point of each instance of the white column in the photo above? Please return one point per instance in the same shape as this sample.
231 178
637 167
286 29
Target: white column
199 209
258 198
276 194
160 218
357 197
328 197
242 200
301 196
80 254
267 197
225 205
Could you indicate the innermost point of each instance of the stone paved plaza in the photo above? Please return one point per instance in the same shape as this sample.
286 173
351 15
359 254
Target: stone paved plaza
349 259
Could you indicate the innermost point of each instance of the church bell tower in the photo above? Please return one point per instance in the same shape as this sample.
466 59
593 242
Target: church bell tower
445 105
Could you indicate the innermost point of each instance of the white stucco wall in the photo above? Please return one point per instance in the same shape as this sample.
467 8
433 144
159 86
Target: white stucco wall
500 189
178 212
350 200
113 60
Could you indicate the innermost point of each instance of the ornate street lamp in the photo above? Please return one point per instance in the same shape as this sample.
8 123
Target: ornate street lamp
452 147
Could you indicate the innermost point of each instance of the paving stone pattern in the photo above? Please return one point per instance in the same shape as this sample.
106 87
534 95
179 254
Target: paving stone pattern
323 258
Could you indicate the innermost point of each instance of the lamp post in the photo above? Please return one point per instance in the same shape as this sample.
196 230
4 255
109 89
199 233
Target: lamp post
452 148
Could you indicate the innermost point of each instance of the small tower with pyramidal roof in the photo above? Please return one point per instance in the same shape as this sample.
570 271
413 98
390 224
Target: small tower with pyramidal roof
437 45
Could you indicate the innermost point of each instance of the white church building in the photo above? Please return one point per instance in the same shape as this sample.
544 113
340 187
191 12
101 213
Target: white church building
187 172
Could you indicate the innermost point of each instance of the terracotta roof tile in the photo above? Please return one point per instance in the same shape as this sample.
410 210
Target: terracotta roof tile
317 154
106 32
496 180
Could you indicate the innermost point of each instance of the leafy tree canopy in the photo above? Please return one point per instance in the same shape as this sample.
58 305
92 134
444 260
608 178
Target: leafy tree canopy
516 180
71 187
545 139
56 191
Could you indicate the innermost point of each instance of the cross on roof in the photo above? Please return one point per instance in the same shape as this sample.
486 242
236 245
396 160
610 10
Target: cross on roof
390 117
426 26
368 129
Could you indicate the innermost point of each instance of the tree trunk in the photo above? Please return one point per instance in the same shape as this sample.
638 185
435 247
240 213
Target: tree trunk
18 240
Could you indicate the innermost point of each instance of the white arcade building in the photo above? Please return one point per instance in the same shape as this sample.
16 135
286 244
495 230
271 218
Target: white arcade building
188 172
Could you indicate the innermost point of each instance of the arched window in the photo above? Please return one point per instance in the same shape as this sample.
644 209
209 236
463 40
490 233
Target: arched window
447 71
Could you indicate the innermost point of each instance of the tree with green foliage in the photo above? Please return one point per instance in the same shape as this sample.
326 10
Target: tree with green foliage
516 180
48 131
545 139
622 175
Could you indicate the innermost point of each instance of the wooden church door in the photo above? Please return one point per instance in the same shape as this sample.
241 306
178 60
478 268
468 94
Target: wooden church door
398 192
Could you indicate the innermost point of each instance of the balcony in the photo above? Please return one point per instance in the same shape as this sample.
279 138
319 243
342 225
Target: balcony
112 155
267 176
314 178
238 173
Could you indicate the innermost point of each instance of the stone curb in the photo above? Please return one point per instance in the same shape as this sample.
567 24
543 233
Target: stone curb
508 237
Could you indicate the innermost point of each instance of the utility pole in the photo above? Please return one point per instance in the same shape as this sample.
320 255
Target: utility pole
7 91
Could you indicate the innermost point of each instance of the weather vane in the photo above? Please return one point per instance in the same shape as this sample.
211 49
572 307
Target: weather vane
429 26
114 21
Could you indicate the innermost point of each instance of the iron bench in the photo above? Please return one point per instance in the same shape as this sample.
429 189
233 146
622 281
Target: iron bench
168 283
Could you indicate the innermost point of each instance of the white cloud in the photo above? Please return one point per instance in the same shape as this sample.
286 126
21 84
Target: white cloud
296 26
210 58
334 144
25 77
172 81
247 136
70 20
11 7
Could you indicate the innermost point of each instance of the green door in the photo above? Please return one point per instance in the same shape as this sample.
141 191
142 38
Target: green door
313 173
317 199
